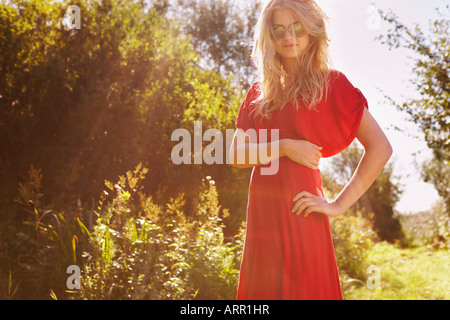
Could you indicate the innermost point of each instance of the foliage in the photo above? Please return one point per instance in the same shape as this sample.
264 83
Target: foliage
85 105
430 228
437 172
222 31
36 252
141 250
431 108
353 236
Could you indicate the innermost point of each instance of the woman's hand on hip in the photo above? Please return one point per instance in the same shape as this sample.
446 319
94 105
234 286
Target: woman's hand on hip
307 202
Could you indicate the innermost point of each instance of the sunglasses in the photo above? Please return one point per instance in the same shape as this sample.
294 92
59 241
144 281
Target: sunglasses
295 29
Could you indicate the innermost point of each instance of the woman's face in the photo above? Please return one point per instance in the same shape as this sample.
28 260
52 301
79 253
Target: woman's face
289 46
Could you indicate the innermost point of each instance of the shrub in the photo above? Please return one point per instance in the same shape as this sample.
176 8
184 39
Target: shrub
36 244
429 228
352 237
141 250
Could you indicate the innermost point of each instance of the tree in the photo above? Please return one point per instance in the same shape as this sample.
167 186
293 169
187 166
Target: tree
84 105
222 32
431 110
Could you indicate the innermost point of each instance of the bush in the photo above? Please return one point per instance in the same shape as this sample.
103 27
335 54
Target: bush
141 250
135 248
352 237
215 262
429 228
36 244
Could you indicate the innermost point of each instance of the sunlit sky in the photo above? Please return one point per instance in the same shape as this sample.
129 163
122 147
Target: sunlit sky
376 71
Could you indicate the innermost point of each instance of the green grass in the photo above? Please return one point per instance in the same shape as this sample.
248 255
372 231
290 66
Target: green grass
407 274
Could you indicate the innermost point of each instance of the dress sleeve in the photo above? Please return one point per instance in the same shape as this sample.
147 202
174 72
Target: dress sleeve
346 105
244 121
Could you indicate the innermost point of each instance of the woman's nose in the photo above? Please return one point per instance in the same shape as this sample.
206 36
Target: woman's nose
288 35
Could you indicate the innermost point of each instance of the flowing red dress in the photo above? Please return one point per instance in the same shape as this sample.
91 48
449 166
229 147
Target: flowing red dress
285 256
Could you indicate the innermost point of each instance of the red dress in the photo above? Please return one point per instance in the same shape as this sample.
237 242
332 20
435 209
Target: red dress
286 256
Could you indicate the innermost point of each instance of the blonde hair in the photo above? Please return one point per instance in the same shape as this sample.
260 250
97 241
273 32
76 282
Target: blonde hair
310 82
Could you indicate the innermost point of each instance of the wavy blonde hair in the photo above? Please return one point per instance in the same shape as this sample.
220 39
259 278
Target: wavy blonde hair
310 83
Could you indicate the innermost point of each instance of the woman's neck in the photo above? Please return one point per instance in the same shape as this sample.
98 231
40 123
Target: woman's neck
290 65
290 68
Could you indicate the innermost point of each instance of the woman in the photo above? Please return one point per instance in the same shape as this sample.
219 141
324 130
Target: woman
288 250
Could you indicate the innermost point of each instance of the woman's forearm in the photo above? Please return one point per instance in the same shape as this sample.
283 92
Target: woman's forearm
246 155
370 166
302 152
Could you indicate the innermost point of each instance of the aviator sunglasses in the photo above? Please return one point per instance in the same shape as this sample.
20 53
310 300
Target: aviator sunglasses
295 29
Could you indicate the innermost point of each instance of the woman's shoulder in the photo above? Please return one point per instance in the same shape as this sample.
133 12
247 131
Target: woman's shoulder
253 93
336 75
255 87
339 81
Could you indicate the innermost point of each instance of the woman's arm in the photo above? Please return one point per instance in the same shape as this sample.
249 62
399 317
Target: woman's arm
245 154
377 153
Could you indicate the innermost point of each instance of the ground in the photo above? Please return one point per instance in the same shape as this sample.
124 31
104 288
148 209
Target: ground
407 274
